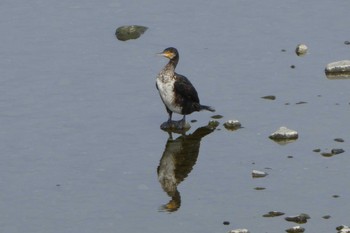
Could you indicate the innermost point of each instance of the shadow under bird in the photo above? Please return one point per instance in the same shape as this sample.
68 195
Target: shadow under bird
176 91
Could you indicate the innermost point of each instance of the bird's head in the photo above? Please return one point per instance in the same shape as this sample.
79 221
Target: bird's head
169 53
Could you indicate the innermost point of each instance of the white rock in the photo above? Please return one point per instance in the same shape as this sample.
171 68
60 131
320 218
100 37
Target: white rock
295 229
301 49
232 124
343 229
338 67
239 231
257 174
284 133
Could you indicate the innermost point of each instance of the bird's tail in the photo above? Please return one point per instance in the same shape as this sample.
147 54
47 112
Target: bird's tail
208 108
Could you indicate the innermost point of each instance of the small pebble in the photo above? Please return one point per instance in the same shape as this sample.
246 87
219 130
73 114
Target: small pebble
269 97
239 231
317 150
301 218
232 125
226 223
338 139
284 133
295 229
337 151
213 123
347 42
217 116
338 67
273 214
292 66
258 174
327 154
326 217
259 188
343 229
301 49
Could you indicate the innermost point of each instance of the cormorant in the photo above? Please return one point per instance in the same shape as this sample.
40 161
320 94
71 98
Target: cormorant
176 91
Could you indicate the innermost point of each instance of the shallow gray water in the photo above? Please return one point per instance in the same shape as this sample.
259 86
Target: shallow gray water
80 115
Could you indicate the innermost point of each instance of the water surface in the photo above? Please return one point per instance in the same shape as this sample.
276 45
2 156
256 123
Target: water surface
80 115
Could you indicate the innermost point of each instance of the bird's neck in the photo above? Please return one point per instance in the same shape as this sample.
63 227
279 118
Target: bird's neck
167 74
174 61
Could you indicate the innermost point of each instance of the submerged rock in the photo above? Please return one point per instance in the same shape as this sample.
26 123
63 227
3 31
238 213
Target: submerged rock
301 218
295 229
283 134
213 123
239 231
232 124
124 33
301 49
339 140
217 116
334 151
273 214
269 97
337 151
258 174
338 70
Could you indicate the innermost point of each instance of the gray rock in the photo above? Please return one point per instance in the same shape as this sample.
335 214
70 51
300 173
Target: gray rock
232 124
273 214
301 218
129 32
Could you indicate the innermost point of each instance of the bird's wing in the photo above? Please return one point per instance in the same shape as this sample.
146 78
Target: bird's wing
184 87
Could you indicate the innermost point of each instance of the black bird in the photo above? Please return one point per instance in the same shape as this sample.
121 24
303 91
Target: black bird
176 91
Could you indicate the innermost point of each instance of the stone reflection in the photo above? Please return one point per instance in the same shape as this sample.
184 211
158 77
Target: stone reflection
179 157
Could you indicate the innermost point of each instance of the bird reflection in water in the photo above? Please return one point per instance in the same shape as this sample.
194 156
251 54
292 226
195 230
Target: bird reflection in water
179 157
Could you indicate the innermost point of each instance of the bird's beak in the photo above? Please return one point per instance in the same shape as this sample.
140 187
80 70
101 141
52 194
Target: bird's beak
161 54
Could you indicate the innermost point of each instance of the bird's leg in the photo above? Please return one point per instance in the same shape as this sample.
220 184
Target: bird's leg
183 121
170 115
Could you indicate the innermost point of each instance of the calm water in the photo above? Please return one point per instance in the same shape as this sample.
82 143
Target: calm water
79 123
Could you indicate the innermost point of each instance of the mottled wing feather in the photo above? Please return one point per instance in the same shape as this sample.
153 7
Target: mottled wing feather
185 88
